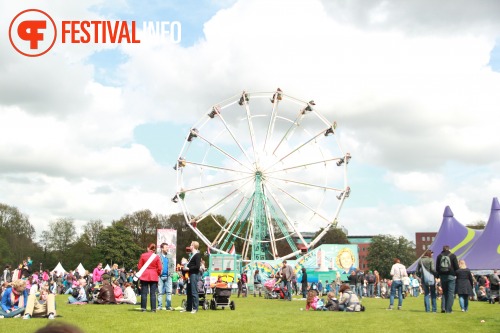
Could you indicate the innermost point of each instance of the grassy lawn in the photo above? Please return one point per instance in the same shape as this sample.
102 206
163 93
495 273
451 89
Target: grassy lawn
262 315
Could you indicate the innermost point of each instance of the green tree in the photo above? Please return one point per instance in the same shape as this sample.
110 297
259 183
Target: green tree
383 250
143 225
116 245
332 236
479 225
60 236
91 232
17 233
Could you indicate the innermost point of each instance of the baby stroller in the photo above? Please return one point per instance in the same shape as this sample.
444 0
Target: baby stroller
273 291
222 298
202 296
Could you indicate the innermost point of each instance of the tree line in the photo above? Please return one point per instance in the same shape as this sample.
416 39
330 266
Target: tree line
124 239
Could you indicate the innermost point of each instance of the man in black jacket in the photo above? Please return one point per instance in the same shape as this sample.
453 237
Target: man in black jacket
193 266
446 265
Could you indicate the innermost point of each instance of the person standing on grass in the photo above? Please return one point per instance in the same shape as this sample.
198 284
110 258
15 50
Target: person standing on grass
257 283
398 272
97 274
377 283
193 269
446 266
304 283
464 285
165 278
149 278
286 276
429 286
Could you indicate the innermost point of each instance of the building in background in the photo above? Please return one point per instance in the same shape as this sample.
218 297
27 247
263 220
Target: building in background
423 241
363 243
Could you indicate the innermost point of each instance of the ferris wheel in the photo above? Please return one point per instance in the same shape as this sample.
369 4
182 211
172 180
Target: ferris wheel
263 171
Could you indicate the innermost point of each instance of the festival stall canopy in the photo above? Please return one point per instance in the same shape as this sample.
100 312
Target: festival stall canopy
80 270
59 269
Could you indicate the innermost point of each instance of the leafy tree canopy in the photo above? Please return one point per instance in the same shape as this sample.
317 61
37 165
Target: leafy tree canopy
383 250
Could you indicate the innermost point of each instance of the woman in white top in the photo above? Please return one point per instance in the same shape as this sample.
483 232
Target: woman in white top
129 296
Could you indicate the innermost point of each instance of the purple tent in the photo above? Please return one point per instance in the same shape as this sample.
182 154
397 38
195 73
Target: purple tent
485 253
452 233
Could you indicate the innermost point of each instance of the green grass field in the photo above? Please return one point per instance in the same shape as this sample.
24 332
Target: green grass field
262 315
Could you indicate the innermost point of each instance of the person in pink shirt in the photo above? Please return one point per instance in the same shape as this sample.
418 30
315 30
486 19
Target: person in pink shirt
97 274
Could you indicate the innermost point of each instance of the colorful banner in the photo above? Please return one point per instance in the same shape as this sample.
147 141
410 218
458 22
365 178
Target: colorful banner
168 236
322 263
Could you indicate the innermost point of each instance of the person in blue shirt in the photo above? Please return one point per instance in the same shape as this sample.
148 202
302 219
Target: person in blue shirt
14 299
165 278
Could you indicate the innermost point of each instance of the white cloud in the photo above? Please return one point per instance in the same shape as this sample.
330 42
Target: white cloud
409 87
416 181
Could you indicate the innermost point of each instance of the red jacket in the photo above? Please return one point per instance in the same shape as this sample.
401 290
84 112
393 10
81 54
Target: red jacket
154 269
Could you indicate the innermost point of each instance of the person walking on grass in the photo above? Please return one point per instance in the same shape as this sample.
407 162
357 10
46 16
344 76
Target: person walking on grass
398 272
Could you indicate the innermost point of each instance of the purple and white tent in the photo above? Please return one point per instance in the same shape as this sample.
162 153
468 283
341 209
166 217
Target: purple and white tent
458 237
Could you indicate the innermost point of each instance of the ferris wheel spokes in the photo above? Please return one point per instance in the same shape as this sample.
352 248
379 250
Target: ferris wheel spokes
215 184
305 165
307 184
295 149
228 129
220 203
270 128
299 201
287 217
223 152
209 166
250 126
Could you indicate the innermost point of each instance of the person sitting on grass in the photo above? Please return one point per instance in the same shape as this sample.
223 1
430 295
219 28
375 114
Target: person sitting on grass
129 296
14 300
332 304
312 300
117 290
482 295
81 297
106 294
45 306
349 301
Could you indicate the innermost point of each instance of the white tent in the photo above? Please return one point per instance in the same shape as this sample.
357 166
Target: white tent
59 269
107 268
80 269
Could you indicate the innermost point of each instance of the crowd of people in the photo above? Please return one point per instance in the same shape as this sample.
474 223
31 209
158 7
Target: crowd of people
30 293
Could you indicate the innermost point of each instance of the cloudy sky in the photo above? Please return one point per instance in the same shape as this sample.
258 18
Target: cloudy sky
92 131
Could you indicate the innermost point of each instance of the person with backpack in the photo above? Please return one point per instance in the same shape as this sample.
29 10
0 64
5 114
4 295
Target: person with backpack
446 266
